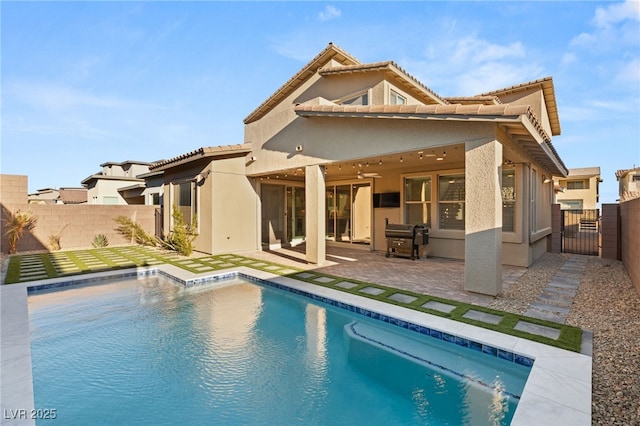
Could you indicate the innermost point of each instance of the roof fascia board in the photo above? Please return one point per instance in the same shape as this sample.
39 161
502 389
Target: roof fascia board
330 52
213 153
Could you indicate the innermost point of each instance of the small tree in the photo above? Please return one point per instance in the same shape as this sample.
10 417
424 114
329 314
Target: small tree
16 225
182 236
134 232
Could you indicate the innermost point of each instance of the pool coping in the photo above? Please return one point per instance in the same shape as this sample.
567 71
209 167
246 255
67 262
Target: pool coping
558 390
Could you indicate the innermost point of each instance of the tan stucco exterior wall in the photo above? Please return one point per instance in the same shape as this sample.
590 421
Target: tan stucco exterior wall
325 140
226 204
589 196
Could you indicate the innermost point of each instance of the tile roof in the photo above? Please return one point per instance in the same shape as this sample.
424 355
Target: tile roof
73 195
622 172
485 100
511 116
388 66
330 52
224 151
549 97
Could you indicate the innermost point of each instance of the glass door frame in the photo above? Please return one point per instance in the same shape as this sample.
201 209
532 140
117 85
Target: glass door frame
337 219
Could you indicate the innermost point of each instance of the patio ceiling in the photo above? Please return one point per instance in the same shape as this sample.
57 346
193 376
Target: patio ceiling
440 158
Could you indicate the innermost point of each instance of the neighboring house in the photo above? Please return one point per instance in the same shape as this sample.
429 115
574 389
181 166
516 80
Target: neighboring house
123 183
579 190
44 196
628 183
73 196
342 146
59 196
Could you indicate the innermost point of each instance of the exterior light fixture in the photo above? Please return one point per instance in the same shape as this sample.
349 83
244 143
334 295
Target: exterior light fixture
380 162
401 160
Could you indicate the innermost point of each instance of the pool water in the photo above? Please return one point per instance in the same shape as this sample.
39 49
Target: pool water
153 352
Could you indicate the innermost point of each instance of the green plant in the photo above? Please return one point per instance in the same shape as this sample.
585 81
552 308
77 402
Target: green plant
182 236
134 232
54 239
100 240
16 225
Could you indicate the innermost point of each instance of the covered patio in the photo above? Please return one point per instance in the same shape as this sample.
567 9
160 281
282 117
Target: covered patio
434 276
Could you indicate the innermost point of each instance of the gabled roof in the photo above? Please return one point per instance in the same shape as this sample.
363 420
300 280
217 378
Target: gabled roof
548 92
330 52
213 152
622 172
395 73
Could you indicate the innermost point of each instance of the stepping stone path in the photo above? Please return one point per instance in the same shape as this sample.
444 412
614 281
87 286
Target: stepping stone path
555 301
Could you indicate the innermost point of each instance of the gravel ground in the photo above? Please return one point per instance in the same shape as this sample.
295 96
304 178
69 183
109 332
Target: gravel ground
609 305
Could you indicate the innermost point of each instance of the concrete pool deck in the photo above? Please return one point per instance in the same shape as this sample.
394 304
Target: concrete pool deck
558 390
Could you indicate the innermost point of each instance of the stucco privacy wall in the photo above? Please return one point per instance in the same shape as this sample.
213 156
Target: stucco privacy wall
77 224
80 222
629 241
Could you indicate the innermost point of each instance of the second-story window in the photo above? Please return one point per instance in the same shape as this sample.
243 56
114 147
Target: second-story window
358 100
396 98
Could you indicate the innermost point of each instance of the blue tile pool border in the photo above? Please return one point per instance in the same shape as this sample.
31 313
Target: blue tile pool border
426 331
428 362
192 282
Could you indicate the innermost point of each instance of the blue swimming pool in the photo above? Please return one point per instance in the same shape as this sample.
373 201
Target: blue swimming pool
150 351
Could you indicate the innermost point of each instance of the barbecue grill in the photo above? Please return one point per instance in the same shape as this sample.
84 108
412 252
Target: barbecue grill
405 240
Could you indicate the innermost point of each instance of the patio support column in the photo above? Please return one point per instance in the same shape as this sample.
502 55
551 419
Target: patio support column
483 217
315 225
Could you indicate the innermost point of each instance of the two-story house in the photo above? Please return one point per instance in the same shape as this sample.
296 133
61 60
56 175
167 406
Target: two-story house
344 146
579 190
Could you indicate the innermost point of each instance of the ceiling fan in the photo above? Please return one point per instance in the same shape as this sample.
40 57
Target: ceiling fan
362 175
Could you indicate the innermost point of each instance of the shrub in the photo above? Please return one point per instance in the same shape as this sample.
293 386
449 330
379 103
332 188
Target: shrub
182 236
134 232
16 225
100 240
54 240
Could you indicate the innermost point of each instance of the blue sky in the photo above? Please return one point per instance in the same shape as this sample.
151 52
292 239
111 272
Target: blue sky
84 83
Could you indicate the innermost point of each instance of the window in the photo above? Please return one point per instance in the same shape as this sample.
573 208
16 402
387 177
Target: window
154 198
184 197
358 100
417 199
397 99
508 200
109 200
577 184
451 201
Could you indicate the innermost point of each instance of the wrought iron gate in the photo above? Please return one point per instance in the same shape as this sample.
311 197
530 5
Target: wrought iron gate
581 231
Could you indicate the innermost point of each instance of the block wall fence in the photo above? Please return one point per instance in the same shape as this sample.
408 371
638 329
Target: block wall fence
76 224
630 239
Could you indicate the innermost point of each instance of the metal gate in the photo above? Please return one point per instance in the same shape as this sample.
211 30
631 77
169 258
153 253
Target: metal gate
581 231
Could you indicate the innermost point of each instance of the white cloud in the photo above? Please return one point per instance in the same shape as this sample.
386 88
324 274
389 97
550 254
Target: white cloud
618 12
614 24
58 97
471 65
329 12
629 72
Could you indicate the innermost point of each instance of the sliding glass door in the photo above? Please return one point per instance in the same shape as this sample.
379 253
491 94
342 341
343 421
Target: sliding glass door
349 213
283 214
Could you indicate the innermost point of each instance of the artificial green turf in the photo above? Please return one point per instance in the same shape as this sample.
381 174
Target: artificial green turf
570 337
